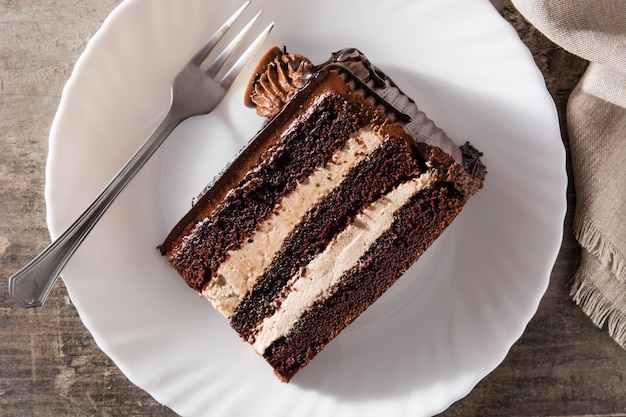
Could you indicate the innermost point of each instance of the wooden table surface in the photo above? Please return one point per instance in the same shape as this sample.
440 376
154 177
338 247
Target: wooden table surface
50 365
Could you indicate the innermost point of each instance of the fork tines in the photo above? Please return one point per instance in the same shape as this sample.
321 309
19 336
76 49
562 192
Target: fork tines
218 64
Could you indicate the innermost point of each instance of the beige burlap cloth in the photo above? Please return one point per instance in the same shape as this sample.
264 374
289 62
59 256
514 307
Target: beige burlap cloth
596 119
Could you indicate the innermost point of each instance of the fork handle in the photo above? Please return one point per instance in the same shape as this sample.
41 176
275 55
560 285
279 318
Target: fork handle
31 285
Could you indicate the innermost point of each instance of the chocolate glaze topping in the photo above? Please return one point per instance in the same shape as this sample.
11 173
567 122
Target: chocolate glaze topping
371 80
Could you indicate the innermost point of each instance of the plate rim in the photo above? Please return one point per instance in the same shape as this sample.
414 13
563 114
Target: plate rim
66 95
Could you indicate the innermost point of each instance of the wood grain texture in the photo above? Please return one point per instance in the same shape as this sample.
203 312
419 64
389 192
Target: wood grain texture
50 365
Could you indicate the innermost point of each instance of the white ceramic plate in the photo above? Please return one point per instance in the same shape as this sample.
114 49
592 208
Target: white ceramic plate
429 340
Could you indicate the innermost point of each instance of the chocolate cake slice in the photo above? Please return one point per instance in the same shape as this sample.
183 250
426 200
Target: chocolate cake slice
341 191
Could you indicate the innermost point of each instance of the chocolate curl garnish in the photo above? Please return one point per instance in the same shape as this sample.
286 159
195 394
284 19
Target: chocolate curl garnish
472 162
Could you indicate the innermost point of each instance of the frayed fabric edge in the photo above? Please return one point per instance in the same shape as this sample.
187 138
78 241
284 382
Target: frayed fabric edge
590 237
600 310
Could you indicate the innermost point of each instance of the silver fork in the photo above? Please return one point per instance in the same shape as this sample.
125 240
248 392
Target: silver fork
194 91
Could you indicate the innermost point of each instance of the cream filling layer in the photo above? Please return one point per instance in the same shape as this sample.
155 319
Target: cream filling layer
244 266
316 280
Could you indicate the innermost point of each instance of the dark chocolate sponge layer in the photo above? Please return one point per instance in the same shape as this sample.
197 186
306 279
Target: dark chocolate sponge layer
392 162
310 145
391 255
